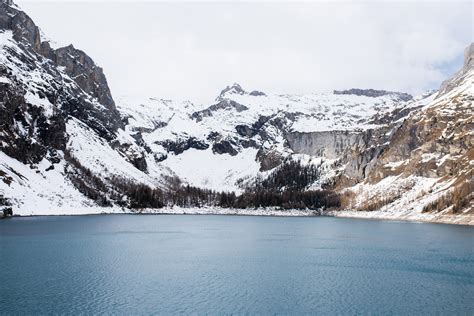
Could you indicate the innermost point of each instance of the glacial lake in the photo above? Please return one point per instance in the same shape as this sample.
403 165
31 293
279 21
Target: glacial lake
125 264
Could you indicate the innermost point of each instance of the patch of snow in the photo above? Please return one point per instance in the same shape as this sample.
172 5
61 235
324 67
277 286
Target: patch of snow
428 156
396 164
205 169
34 99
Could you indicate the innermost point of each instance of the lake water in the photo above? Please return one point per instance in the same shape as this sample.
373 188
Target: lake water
124 264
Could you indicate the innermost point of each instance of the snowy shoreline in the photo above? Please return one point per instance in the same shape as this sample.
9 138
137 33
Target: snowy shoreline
458 219
376 215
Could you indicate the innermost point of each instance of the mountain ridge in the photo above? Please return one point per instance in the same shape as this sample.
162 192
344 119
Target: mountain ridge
63 137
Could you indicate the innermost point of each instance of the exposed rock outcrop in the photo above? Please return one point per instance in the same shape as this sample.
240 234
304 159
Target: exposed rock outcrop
357 151
224 147
257 93
222 105
469 56
77 64
375 93
179 146
86 74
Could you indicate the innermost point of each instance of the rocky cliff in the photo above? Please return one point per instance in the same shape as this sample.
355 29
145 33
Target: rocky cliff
63 82
57 119
426 168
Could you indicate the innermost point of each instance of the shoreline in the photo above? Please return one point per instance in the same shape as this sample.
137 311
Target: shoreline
466 220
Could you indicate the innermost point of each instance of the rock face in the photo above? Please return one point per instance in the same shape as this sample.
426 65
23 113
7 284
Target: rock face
374 93
257 93
441 134
429 158
54 102
357 151
77 65
331 144
224 147
469 56
178 147
222 105
88 76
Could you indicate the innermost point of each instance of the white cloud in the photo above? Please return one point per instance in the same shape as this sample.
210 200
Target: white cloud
192 50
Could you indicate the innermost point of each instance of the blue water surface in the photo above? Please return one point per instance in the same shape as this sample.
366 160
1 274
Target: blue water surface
125 264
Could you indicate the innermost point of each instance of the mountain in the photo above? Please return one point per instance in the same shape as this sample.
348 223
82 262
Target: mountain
67 147
244 134
426 169
58 124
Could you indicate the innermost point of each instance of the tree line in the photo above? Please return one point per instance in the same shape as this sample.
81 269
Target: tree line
285 188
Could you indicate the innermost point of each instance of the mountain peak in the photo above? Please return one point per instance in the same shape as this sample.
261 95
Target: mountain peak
233 89
237 89
462 75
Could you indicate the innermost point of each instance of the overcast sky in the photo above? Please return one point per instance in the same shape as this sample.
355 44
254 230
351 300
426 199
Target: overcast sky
192 50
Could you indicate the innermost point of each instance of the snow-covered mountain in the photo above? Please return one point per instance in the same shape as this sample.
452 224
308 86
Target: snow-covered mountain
67 147
245 133
56 109
427 166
